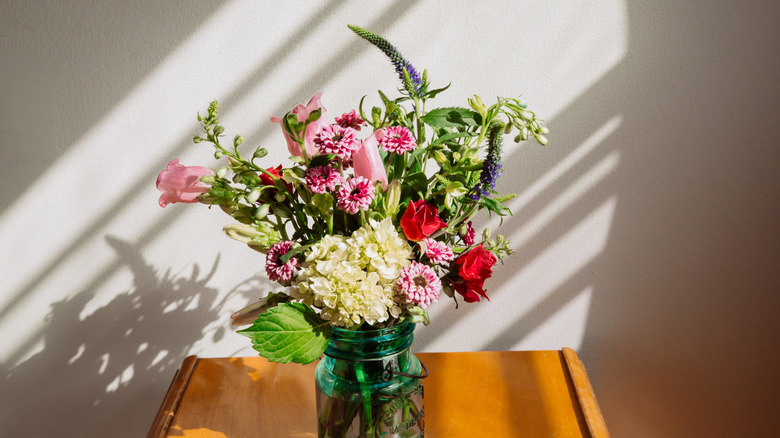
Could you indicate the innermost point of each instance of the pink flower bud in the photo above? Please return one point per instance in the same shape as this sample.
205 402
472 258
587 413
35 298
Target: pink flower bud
302 113
368 163
180 183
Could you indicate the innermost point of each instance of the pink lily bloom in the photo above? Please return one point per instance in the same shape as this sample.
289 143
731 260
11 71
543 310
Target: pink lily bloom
302 112
180 183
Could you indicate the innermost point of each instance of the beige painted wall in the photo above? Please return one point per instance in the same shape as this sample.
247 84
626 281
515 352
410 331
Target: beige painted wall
647 232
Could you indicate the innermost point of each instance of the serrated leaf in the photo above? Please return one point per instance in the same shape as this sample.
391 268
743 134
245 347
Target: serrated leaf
451 135
452 117
502 199
290 332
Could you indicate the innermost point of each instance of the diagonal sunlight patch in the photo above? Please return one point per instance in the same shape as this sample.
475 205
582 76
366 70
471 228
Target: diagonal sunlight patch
583 185
564 328
602 45
545 274
565 165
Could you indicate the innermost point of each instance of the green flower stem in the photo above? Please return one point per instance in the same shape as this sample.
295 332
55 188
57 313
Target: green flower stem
366 419
301 143
281 228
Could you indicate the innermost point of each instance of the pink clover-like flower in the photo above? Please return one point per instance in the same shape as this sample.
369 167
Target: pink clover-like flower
397 140
419 284
468 238
333 139
355 195
274 268
350 120
323 178
438 252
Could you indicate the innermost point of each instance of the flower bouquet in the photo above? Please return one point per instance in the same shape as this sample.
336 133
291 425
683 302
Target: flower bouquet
367 226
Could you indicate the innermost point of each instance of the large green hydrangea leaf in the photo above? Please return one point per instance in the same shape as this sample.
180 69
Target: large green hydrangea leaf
290 332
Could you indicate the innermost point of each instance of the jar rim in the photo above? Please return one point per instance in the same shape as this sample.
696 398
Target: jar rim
370 344
375 332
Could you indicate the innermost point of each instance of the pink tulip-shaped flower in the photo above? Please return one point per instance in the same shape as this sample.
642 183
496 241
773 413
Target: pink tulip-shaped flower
302 112
368 163
180 183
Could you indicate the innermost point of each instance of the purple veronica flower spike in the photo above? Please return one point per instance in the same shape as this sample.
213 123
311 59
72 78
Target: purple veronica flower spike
396 58
491 167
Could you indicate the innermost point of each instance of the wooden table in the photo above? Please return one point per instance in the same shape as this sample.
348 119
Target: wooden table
483 394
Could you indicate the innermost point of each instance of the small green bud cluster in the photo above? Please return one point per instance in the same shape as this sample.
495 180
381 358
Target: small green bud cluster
500 246
528 125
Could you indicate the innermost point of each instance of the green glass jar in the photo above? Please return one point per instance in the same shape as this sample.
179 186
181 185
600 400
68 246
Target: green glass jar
368 385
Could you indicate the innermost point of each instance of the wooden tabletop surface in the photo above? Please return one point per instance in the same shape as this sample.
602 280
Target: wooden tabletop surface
480 394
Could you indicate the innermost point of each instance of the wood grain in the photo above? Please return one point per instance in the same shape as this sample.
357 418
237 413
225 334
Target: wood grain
492 394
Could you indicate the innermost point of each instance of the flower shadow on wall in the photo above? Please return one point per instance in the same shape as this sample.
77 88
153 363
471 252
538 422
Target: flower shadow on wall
94 372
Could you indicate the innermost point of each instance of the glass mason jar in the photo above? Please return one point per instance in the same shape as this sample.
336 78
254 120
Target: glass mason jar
368 385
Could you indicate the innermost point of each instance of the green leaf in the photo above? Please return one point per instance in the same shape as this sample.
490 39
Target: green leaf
321 160
322 201
314 116
417 181
502 199
431 94
384 98
452 117
452 135
290 332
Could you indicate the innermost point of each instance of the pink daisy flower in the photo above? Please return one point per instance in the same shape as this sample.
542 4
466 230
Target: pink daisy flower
397 139
419 284
468 238
323 178
437 252
333 139
276 270
355 195
350 120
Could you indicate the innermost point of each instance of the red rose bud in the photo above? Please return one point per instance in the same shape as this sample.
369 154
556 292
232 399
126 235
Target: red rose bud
420 220
475 267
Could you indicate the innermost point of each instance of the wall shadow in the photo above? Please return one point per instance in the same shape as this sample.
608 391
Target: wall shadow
105 374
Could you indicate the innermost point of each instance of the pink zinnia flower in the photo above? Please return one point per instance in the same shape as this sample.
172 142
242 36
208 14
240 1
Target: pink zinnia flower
437 252
355 195
468 238
419 284
333 139
276 270
323 178
350 120
397 139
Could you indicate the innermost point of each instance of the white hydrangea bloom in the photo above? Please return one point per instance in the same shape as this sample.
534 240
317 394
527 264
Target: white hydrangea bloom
352 279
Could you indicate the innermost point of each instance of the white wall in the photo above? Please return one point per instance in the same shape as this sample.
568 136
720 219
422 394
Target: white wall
646 232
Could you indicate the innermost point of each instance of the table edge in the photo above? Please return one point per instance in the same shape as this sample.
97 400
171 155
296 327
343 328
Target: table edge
164 418
583 391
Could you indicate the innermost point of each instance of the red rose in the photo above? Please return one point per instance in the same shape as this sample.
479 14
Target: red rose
420 220
276 172
475 267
